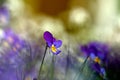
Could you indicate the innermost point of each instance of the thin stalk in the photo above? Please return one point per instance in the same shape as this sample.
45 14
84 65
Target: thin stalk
52 70
81 69
47 76
42 62
67 64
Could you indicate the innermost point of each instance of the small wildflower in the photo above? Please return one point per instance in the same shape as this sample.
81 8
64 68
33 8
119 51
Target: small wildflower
52 43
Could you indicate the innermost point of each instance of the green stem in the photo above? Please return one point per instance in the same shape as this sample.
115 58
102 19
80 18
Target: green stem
52 70
48 69
67 64
42 63
81 69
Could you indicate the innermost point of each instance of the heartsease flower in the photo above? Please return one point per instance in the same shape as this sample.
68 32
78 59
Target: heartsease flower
52 43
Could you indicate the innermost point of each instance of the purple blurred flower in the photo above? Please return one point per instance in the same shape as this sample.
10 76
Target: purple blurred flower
17 59
9 74
4 15
52 43
15 42
96 51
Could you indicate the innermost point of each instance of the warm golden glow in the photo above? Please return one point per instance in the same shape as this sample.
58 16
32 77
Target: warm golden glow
50 7
78 15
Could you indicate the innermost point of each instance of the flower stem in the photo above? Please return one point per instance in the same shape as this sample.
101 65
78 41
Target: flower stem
81 69
52 70
67 63
42 63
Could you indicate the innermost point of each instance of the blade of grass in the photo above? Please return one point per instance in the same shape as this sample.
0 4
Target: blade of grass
67 63
81 69
42 63
52 67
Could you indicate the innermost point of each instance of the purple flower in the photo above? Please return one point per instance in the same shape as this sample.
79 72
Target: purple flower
52 43
15 42
17 57
4 15
96 51
9 74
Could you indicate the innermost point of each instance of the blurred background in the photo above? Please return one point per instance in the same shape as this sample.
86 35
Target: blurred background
75 22
80 20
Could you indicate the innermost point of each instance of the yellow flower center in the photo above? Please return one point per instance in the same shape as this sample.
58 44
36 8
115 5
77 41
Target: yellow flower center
97 60
53 48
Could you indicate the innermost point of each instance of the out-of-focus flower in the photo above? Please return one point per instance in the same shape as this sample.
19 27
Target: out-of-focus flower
4 15
17 57
97 52
13 40
52 43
